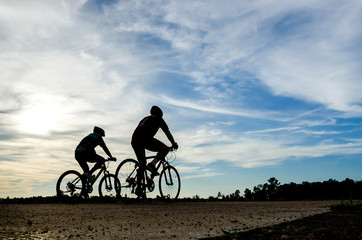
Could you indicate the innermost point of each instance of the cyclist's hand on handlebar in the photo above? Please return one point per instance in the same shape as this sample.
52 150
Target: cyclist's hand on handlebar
174 146
112 159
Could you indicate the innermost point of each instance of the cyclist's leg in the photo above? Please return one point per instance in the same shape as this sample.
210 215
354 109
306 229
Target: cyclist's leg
82 160
139 150
82 157
99 160
156 145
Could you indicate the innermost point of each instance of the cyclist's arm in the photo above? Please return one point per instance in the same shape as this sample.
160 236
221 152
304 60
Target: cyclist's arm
169 136
166 130
105 149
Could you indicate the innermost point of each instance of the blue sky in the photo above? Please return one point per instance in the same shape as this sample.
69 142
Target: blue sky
250 89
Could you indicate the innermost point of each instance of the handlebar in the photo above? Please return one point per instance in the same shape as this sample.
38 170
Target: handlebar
113 159
174 147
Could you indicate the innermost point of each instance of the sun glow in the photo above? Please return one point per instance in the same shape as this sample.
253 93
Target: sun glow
39 119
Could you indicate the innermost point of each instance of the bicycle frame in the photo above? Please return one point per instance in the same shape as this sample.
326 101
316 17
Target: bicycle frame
164 164
168 181
74 184
103 170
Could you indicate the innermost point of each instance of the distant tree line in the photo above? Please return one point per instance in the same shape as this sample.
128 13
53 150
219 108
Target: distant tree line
273 190
22 200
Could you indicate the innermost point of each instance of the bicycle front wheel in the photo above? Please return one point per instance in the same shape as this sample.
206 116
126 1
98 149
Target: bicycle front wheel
127 174
70 186
109 188
169 184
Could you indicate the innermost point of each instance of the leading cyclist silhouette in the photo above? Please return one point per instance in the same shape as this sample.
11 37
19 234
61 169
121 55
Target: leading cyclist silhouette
143 138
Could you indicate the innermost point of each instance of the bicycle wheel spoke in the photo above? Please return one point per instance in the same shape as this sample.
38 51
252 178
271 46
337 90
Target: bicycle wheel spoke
69 185
127 173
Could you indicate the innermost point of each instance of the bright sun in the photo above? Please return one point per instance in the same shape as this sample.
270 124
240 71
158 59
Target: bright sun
39 119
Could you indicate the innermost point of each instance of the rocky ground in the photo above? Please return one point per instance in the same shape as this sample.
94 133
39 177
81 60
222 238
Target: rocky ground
148 220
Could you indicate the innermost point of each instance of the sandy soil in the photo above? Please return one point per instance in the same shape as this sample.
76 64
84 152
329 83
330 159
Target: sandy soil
147 220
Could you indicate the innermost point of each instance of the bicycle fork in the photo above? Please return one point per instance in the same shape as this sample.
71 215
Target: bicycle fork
168 176
167 171
108 181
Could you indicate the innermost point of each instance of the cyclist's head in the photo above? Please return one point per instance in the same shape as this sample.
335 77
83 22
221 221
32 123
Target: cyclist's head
156 111
99 131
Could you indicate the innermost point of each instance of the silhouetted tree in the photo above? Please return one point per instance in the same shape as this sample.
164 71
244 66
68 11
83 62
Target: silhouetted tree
196 197
219 195
237 194
248 195
259 193
271 188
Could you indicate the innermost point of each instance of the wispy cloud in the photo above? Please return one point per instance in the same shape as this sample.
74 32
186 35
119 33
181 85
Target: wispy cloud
211 145
207 107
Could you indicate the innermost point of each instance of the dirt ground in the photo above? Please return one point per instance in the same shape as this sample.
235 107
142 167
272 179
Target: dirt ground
178 220
343 222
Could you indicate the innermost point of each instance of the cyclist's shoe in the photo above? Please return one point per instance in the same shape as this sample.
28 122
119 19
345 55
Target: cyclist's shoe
89 176
140 192
84 194
151 167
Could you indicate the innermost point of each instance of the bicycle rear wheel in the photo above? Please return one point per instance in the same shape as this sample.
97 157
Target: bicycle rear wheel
127 174
70 186
109 188
169 184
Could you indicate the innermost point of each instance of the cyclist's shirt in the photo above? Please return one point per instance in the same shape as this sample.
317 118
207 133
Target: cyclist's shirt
148 127
90 142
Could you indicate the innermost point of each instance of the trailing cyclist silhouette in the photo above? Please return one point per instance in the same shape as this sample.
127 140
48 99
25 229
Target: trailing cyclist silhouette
143 138
85 151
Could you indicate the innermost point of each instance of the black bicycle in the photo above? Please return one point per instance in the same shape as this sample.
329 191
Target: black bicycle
169 182
72 185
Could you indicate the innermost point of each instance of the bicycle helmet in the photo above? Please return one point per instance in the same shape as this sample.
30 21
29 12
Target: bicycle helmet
99 131
156 111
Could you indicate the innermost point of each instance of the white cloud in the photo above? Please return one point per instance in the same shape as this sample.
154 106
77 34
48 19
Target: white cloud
309 59
221 109
209 144
273 130
317 64
302 74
